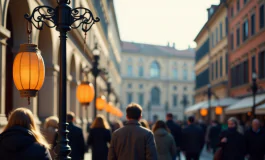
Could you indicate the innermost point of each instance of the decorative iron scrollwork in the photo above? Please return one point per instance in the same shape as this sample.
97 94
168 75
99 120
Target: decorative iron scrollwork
84 17
40 15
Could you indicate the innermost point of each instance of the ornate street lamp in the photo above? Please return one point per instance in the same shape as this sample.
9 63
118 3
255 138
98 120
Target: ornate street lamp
64 18
101 103
204 112
218 110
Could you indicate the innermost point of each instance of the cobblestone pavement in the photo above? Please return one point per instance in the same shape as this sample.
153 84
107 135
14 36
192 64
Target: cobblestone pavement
204 156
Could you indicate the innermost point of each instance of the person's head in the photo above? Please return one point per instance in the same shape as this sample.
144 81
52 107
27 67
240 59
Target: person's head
169 116
134 112
214 122
117 124
255 125
144 123
232 123
160 124
100 122
191 120
51 122
70 117
23 117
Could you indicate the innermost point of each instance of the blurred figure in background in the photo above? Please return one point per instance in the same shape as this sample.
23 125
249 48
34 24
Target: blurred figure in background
214 133
144 123
166 147
116 125
99 138
49 131
255 141
193 140
21 138
232 141
175 130
76 138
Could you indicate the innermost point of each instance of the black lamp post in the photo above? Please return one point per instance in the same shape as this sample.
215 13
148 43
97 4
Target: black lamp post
209 94
108 96
64 18
254 88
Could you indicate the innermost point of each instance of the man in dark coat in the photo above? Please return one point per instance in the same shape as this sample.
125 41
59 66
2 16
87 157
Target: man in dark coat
132 141
255 141
193 140
175 130
214 133
76 139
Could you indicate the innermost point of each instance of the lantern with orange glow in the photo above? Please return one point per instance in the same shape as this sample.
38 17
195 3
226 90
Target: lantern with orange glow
28 70
101 103
109 107
203 112
85 93
218 110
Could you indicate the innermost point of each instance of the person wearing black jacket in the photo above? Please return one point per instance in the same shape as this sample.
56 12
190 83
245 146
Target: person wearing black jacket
232 142
175 130
76 139
255 141
214 134
193 140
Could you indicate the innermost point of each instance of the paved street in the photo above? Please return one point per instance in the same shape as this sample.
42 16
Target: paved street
204 156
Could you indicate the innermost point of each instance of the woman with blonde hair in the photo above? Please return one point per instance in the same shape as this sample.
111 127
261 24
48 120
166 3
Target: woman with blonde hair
144 123
99 138
49 132
21 138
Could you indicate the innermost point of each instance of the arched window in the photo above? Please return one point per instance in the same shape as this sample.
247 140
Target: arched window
155 96
141 71
155 70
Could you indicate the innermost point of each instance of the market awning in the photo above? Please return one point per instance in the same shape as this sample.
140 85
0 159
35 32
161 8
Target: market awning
195 108
260 109
244 105
224 102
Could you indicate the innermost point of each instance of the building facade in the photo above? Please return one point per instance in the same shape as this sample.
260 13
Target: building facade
159 78
13 33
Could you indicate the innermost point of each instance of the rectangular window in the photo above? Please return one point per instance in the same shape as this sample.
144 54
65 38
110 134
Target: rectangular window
185 74
212 40
212 71
141 71
245 73
226 63
185 100
238 5
216 36
175 73
245 30
253 62
253 26
226 25
141 99
261 17
129 98
245 1
175 100
232 11
129 70
221 66
238 37
232 41
262 65
216 69
221 30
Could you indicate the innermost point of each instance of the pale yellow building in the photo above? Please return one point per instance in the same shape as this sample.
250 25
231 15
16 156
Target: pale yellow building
159 78
13 33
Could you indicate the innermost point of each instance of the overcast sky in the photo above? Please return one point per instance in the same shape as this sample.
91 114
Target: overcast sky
162 21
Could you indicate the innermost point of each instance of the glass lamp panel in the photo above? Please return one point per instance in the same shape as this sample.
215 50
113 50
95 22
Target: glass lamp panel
16 71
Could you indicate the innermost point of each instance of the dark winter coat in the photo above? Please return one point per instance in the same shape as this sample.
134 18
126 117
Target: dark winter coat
18 143
214 136
76 142
192 139
234 148
175 130
166 147
132 142
98 140
255 143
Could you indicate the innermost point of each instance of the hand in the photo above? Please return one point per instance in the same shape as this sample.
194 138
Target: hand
224 140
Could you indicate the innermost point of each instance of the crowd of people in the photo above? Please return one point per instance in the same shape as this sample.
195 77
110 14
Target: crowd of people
135 139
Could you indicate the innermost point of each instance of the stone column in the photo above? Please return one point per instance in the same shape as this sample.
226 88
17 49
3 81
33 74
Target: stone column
74 104
4 34
48 95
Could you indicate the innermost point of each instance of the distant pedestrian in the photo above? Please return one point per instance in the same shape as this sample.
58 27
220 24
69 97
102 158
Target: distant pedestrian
232 142
116 125
76 138
49 131
213 136
21 138
166 147
255 141
99 138
144 123
132 142
175 130
193 140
